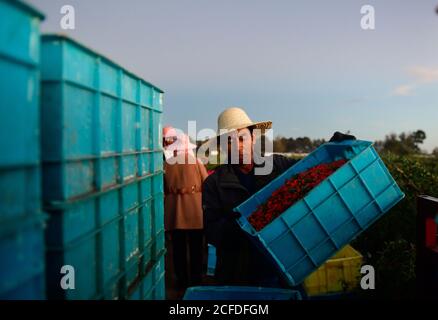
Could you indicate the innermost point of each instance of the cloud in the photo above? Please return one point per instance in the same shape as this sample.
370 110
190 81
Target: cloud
403 90
420 75
424 74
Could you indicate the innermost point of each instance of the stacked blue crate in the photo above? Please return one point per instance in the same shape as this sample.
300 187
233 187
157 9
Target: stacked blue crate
21 219
102 171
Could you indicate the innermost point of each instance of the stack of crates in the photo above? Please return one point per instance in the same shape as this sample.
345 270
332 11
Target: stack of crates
102 173
21 219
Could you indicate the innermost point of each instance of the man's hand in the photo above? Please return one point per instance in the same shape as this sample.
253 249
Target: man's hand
339 137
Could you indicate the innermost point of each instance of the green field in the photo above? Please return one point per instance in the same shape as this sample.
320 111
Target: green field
389 245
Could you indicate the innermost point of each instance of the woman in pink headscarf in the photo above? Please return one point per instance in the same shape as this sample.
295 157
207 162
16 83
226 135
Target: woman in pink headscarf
183 216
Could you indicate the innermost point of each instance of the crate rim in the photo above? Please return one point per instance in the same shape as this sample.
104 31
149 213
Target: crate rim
56 205
26 7
45 37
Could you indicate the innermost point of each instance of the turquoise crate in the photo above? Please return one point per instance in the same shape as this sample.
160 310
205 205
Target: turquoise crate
20 194
158 205
102 169
312 230
158 292
101 124
19 84
151 286
114 244
22 258
240 293
159 242
19 110
21 221
33 289
158 233
211 262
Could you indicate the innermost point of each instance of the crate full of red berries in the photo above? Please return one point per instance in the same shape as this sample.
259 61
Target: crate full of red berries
316 207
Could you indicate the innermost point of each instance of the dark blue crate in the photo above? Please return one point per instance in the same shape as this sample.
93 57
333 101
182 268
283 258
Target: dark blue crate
22 258
308 233
240 293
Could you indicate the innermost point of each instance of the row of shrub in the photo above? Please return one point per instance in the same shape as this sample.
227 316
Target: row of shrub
389 245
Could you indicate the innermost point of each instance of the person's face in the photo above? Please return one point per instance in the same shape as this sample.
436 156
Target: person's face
168 141
243 141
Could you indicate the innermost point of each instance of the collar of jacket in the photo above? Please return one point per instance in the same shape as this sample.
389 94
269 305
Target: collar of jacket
228 178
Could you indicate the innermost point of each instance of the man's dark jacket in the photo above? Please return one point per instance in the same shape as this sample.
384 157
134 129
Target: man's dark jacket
238 262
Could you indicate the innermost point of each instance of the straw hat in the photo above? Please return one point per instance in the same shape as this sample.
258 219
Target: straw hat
234 118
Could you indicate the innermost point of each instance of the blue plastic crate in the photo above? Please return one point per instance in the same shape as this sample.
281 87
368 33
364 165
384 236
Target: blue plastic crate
158 207
113 246
240 293
33 289
21 221
19 84
101 124
336 211
211 262
19 110
22 258
20 194
102 169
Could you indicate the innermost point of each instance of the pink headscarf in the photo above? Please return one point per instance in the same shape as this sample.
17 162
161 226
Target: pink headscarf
182 144
169 131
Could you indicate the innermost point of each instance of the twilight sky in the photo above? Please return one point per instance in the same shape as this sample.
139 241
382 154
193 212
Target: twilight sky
306 65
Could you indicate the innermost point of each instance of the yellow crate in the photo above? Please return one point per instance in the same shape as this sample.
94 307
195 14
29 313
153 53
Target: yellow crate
341 273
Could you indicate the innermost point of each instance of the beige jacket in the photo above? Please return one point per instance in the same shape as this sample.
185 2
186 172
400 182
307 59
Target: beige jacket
183 197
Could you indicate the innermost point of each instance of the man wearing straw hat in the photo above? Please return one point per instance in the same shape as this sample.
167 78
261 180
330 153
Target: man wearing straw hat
238 261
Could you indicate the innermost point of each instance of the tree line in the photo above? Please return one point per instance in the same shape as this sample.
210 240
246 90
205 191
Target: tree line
405 143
